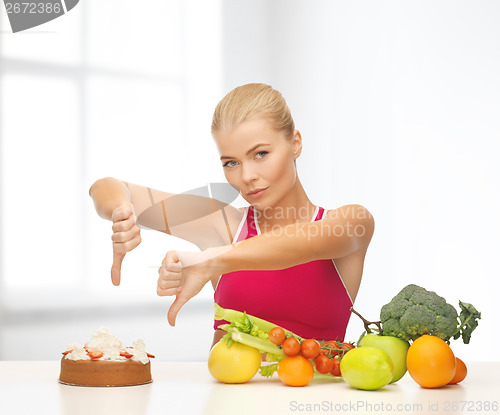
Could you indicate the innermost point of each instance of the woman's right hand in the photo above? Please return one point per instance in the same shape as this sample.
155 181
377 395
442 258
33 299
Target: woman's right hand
126 236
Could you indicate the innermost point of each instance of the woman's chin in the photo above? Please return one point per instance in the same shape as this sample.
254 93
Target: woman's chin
257 204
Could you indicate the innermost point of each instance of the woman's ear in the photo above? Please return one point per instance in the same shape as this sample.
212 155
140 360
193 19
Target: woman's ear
296 144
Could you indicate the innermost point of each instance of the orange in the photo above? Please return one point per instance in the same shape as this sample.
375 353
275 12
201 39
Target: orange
460 372
430 362
295 370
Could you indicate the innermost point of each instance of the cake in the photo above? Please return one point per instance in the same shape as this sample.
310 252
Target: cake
105 361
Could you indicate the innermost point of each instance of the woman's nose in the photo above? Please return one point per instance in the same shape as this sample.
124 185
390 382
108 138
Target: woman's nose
248 173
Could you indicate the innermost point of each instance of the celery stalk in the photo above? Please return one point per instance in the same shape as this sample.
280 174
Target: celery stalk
234 315
264 346
223 326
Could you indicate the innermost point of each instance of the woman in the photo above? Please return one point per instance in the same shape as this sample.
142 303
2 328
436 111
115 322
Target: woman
282 258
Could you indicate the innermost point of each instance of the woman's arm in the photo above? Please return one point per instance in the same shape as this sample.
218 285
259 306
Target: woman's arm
344 231
112 201
109 194
200 220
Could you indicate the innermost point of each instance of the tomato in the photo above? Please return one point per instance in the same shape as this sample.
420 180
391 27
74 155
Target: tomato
291 346
323 364
346 346
326 347
295 371
276 335
309 348
460 372
333 348
237 363
366 368
336 367
430 361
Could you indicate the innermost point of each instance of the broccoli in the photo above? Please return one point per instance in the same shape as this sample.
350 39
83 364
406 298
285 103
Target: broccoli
414 311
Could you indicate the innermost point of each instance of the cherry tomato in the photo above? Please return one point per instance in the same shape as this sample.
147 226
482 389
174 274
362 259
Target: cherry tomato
323 364
333 348
326 348
336 368
309 348
276 335
291 346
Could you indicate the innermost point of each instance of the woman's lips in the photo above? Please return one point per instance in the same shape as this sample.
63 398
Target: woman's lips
258 194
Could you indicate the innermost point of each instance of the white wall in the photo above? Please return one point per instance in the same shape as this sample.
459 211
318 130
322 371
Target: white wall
397 102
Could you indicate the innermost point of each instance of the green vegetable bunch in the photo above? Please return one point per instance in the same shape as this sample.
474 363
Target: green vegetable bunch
414 311
254 332
250 330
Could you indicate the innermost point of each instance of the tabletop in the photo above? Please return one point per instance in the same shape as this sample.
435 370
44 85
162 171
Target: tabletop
30 387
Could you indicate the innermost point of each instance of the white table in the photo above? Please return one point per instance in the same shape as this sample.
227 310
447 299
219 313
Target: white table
188 388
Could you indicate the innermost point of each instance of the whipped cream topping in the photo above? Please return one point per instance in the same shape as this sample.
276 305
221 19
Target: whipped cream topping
105 342
78 352
139 352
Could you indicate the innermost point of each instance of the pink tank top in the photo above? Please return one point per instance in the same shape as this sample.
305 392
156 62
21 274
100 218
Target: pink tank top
309 299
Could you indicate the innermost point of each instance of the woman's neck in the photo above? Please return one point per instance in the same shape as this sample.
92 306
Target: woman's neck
293 208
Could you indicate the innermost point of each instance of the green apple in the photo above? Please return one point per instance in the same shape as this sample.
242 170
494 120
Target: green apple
394 347
367 368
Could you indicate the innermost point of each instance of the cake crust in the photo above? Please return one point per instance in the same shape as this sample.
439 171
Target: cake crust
104 372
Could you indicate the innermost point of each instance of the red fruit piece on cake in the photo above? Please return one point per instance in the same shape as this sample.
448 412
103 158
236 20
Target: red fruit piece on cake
95 355
126 354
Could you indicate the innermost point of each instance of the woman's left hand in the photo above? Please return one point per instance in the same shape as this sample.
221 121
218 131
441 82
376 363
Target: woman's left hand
184 274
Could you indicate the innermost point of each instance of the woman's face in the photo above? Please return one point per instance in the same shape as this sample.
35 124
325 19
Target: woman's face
255 156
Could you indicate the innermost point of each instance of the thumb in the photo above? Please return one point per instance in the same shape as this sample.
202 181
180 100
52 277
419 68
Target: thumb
174 309
116 267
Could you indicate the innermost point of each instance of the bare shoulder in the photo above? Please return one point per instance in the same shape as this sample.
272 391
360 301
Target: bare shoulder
357 219
352 211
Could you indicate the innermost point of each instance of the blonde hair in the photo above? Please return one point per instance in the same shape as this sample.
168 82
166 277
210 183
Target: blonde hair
252 100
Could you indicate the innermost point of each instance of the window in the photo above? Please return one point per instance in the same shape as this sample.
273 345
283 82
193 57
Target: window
102 91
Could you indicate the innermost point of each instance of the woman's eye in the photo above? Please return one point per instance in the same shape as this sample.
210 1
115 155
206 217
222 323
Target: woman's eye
231 163
227 164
